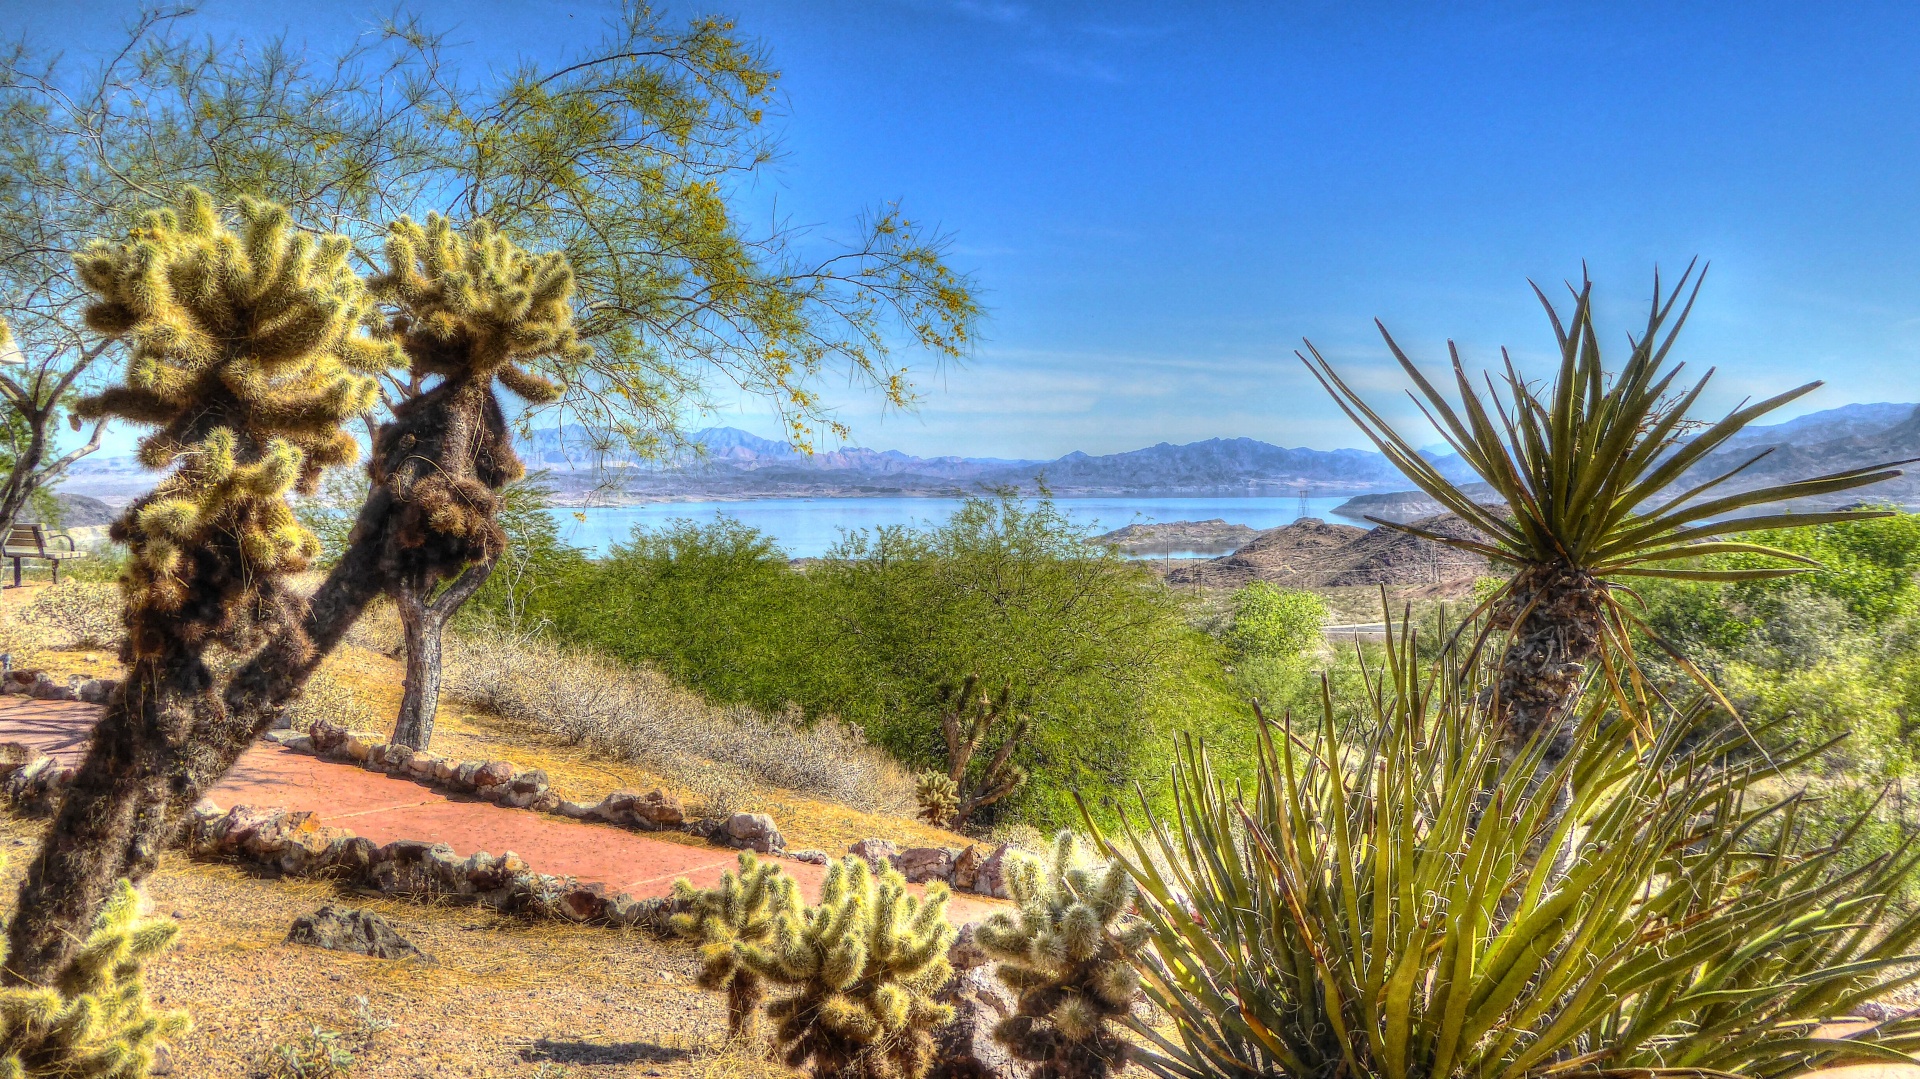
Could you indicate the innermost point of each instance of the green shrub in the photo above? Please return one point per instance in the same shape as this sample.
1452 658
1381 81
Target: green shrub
1274 623
1398 904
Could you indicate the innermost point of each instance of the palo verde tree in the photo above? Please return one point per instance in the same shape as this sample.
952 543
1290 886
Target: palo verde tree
1591 472
249 353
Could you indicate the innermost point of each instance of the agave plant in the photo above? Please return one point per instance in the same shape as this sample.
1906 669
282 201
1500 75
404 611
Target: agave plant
1590 471
1379 907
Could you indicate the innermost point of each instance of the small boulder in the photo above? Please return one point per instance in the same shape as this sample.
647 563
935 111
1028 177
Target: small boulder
97 690
356 746
876 852
965 1048
490 775
397 757
966 868
992 879
573 810
811 857
533 780
354 931
753 831
658 809
922 864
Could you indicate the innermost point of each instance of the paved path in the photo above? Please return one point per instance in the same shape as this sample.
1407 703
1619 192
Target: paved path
384 809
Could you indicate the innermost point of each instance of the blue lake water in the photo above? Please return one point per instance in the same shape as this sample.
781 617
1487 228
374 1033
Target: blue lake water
807 527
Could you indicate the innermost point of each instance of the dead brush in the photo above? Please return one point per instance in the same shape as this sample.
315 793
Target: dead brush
720 753
75 615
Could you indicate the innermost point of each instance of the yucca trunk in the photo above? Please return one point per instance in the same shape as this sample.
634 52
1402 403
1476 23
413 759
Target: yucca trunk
1552 616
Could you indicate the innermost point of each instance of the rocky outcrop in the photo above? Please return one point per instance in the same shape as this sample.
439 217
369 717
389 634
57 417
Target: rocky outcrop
355 931
1311 553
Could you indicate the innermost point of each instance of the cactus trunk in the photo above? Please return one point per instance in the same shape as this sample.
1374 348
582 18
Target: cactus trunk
423 621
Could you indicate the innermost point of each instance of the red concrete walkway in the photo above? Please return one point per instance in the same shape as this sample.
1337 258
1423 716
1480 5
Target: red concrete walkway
384 809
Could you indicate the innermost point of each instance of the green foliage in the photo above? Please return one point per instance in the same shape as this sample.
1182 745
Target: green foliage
1421 911
97 1023
727 920
863 966
880 630
533 561
247 355
1069 954
328 512
1271 622
967 716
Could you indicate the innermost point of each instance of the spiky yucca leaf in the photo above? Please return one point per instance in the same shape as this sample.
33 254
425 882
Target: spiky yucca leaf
1398 905
1587 470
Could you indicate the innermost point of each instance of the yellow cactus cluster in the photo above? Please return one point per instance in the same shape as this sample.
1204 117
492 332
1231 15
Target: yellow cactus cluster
863 964
478 303
727 920
248 350
97 1024
1068 953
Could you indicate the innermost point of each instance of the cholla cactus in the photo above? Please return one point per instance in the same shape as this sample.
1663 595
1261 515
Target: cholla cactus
470 308
1069 956
865 962
739 913
247 356
97 1024
938 795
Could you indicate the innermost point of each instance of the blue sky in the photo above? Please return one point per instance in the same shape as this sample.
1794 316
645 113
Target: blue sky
1161 200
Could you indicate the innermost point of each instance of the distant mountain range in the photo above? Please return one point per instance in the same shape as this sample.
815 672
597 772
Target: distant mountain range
727 463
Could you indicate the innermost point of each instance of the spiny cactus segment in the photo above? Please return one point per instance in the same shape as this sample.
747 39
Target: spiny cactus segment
247 354
740 913
98 1023
1068 954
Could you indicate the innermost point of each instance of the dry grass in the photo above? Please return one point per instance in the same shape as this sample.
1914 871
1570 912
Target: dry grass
722 754
497 997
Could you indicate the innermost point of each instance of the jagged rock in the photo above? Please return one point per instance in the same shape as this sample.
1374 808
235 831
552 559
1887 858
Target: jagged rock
269 839
877 852
97 690
326 736
422 764
753 831
965 1047
46 689
280 737
658 809
356 747
922 864
584 902
545 802
463 776
811 857
531 780
991 880
492 774
355 931
573 810
444 771
397 757
966 868
351 856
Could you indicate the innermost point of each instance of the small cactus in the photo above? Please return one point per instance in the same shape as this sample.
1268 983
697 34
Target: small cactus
864 963
739 913
97 1023
1068 954
939 797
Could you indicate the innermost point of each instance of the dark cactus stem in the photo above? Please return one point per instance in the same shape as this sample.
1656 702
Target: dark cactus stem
745 993
1552 617
423 622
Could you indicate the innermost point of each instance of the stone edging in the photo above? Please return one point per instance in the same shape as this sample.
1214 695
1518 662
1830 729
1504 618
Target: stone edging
974 869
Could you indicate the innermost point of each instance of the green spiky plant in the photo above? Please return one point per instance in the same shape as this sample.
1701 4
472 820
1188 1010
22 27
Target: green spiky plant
863 965
967 717
1378 905
97 1023
1068 953
248 353
468 309
737 915
1597 477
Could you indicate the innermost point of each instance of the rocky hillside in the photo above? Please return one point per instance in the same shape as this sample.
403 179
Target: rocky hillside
1311 553
1210 536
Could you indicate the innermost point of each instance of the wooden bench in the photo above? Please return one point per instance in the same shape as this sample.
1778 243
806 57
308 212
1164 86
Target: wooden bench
33 541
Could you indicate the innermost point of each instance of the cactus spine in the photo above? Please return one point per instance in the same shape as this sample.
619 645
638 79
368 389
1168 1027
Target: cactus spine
97 1024
864 964
1069 955
247 354
739 914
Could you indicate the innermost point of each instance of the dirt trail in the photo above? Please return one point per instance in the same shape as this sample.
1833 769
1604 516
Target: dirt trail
385 809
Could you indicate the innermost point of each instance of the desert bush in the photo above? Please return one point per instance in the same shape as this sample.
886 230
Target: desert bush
326 699
1274 622
74 614
1421 910
635 714
316 1054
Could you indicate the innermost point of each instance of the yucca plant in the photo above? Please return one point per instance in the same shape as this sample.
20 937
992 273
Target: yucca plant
1590 470
1380 907
737 915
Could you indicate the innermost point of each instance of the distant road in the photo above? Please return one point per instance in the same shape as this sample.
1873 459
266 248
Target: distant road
1357 629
